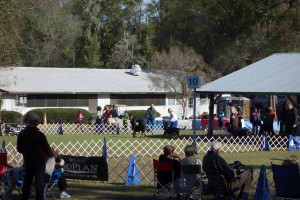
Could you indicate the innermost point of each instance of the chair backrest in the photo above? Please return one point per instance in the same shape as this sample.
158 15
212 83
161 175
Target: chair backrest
218 184
163 172
162 166
286 179
191 169
3 159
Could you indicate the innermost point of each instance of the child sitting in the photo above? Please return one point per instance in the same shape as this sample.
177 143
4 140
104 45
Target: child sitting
58 172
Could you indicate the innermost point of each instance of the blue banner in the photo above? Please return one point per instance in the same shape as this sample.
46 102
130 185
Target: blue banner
294 143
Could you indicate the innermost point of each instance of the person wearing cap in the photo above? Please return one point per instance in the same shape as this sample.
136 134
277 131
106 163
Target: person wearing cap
34 147
214 164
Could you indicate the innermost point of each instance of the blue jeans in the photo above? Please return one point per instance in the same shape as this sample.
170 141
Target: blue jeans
150 124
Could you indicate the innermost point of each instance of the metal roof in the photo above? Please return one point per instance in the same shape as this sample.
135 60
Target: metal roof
74 80
278 74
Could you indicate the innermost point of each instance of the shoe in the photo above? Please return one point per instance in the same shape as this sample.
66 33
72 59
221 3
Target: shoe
64 195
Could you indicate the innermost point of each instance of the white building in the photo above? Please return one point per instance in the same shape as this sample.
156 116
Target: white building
38 87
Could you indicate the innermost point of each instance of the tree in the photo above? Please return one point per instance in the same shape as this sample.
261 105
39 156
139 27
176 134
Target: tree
172 70
126 53
42 32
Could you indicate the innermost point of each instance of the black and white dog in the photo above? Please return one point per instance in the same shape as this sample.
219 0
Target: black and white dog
138 126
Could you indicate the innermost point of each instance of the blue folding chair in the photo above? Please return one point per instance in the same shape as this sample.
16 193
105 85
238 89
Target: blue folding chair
52 182
286 179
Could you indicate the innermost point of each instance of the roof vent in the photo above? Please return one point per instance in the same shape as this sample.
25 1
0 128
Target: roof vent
136 70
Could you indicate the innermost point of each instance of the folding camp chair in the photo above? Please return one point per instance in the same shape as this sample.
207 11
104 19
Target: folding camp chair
191 181
3 167
52 182
162 170
286 179
220 187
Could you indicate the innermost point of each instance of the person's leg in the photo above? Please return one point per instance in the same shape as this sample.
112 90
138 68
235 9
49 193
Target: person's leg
62 183
243 181
29 174
40 181
151 125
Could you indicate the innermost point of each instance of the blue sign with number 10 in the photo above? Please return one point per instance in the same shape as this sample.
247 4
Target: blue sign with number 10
194 82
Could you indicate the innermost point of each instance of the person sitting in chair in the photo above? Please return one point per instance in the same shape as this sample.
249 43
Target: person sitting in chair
166 177
214 164
62 183
190 159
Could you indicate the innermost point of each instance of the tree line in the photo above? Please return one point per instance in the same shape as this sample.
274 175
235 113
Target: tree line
207 37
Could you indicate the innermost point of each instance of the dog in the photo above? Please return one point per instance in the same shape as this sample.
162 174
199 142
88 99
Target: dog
174 132
138 126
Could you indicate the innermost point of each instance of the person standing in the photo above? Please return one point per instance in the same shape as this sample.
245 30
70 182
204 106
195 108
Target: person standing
115 115
234 121
271 118
33 144
254 119
79 119
282 119
291 119
221 119
151 115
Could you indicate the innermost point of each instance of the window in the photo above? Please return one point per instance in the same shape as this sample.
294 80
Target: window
138 99
59 100
191 103
20 100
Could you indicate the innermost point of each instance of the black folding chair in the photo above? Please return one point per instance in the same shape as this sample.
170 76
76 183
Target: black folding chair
286 179
191 182
163 184
220 187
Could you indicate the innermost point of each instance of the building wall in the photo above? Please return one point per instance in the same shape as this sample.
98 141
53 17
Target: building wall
104 99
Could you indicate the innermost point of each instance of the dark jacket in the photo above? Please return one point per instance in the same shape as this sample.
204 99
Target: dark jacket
114 113
166 177
33 144
215 164
151 113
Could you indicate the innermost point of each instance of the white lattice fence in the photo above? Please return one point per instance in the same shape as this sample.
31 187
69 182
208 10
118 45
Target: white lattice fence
119 151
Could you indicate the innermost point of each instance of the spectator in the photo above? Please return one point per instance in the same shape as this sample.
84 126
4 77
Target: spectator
221 119
151 115
33 144
10 179
234 121
59 172
171 156
214 164
271 117
79 119
125 119
114 113
282 119
254 119
190 159
99 120
111 124
291 119
291 160
106 113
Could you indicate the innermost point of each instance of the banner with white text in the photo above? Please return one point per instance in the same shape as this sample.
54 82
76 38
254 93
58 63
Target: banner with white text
85 168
